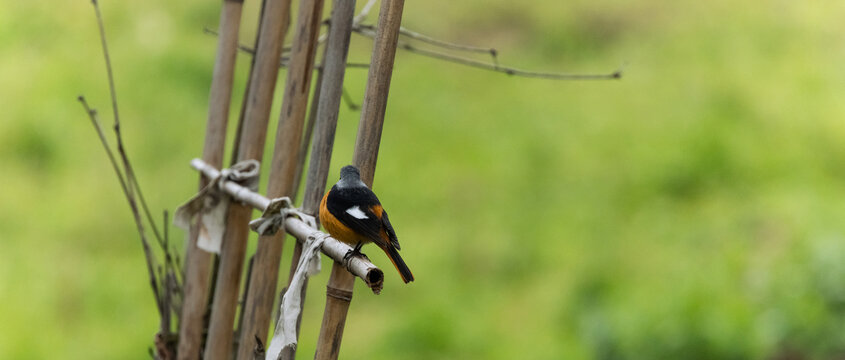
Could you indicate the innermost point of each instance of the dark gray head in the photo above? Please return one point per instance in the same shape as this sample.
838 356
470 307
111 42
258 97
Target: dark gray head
350 172
350 177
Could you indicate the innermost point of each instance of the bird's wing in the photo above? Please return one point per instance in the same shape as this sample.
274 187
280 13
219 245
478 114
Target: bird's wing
389 230
356 208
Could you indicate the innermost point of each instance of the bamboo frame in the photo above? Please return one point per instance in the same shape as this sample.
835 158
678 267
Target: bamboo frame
261 295
250 146
287 166
197 261
340 285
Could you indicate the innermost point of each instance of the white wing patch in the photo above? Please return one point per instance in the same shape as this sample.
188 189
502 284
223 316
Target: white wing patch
356 212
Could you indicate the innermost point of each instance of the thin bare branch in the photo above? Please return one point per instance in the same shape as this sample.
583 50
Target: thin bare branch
242 47
166 301
436 42
360 17
283 61
508 70
368 30
349 101
108 61
127 192
169 262
130 174
126 177
365 11
352 66
493 67
92 114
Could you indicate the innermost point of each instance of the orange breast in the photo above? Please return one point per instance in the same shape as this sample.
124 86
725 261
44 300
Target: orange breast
337 229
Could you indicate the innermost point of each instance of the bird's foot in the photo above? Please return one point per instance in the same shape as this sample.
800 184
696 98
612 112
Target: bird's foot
356 251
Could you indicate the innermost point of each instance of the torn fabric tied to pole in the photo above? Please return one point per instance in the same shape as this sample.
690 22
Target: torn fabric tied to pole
273 218
309 264
209 206
271 222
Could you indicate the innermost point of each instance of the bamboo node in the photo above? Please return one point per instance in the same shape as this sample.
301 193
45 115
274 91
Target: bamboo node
344 295
209 206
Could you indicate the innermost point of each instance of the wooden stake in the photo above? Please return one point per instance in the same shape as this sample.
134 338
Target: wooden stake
378 85
197 261
261 296
334 69
300 166
331 91
250 146
339 288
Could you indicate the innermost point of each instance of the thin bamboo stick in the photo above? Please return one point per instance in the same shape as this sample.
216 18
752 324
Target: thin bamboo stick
334 69
340 285
378 85
251 146
297 247
358 266
244 104
259 304
331 91
309 126
300 166
197 261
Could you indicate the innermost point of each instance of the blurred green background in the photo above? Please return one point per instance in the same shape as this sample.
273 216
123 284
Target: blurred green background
693 209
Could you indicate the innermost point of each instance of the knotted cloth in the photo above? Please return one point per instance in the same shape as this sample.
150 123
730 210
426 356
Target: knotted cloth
273 218
271 222
308 265
209 206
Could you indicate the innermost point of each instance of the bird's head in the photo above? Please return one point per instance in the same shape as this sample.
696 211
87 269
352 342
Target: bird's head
350 177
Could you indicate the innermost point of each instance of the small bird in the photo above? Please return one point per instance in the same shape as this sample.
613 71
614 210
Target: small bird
351 213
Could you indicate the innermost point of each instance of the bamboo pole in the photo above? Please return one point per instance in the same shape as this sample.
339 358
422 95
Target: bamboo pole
309 125
197 261
340 285
334 69
378 85
300 166
358 266
331 91
250 146
261 296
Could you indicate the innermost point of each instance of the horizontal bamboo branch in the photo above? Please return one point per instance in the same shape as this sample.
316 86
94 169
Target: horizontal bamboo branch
358 266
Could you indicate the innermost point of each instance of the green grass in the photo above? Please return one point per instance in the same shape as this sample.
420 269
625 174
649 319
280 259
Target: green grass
692 209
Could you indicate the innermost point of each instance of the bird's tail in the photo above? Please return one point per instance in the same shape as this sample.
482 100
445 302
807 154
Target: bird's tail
393 254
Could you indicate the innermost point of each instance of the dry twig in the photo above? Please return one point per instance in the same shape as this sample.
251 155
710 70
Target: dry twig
364 30
132 192
130 197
